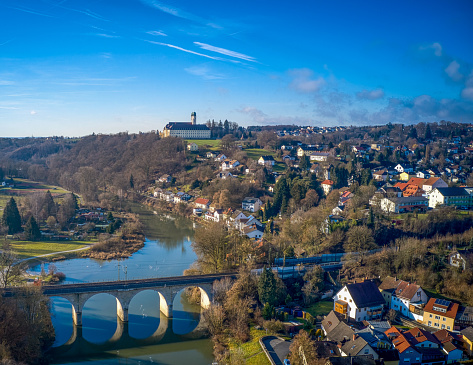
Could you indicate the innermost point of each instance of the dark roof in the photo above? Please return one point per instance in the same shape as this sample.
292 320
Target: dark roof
468 333
352 360
365 294
326 349
453 191
389 284
353 347
185 126
267 158
331 321
342 332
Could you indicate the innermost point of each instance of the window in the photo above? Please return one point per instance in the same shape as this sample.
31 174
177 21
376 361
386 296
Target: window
448 327
444 319
367 351
430 316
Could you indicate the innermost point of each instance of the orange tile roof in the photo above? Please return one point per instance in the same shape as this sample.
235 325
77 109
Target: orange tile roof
416 181
431 181
451 311
202 201
327 182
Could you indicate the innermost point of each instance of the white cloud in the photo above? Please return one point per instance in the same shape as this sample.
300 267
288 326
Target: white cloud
33 112
225 52
106 35
157 33
370 95
467 92
205 72
185 50
303 81
437 47
452 71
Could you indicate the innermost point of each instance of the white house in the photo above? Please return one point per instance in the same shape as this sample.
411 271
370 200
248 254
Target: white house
229 164
319 156
193 147
220 158
457 197
266 161
251 204
253 232
359 301
327 186
403 168
406 294
432 183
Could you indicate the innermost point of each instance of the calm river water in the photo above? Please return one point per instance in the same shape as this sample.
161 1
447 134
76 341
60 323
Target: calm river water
148 337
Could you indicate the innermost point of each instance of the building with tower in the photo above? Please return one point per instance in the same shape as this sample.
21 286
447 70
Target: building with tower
187 130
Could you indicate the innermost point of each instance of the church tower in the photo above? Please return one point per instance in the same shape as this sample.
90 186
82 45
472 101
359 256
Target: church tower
193 118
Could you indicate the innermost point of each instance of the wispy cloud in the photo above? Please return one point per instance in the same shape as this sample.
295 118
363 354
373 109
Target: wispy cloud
225 52
30 11
6 82
467 92
184 50
303 81
258 116
453 71
8 107
370 94
104 35
179 13
205 72
437 47
157 33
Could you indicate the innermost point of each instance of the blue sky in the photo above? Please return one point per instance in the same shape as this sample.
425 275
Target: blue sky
73 67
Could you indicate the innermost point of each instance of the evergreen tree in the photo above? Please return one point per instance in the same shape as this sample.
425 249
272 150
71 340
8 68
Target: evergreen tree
267 287
49 205
428 132
32 232
304 163
132 183
11 217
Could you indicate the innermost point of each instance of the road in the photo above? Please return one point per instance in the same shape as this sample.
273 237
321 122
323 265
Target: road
277 348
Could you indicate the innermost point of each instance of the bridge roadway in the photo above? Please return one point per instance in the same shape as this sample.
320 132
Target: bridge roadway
124 291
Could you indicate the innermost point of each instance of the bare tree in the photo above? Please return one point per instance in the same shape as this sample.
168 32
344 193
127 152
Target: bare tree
9 270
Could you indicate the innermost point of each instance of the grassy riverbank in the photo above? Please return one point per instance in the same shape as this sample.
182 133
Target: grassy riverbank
251 350
29 249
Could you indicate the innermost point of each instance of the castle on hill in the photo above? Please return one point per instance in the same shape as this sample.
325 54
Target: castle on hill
187 130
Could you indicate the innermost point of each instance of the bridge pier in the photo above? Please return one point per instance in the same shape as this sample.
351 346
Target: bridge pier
165 302
76 317
122 313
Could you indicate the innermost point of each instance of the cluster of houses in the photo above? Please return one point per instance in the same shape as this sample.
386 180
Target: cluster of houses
421 194
242 220
443 332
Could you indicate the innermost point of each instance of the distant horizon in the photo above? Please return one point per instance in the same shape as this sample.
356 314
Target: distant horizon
248 126
71 67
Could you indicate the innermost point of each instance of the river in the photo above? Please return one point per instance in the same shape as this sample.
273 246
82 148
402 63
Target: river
148 337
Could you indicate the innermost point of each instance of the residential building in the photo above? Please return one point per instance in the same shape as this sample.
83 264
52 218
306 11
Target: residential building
461 258
305 150
221 157
254 232
409 189
359 301
467 336
202 203
251 204
266 161
456 197
403 168
406 176
451 344
440 314
186 130
416 346
327 186
351 360
432 183
402 204
193 147
229 164
464 316
319 156
165 178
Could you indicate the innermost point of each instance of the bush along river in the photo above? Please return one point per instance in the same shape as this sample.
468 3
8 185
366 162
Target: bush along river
148 336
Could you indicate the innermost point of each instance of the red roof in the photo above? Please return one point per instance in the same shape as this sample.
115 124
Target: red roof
451 311
327 182
417 181
202 201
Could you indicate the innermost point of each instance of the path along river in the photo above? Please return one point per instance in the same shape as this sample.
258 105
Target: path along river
148 337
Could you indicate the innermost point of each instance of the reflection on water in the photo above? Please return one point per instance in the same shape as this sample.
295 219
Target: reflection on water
149 336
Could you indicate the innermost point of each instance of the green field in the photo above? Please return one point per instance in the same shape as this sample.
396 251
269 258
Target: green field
24 187
210 144
256 153
321 308
27 249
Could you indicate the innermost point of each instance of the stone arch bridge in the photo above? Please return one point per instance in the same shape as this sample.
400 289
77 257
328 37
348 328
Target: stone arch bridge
124 291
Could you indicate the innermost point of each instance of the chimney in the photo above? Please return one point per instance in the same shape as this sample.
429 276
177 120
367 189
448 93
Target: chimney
354 337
